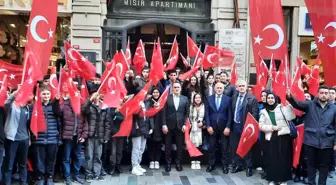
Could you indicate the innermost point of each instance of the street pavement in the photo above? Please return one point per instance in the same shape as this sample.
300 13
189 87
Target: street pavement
186 177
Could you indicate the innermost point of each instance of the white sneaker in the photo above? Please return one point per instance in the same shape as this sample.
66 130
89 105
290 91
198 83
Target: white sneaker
152 165
198 165
283 183
141 169
136 171
193 165
157 165
272 183
259 169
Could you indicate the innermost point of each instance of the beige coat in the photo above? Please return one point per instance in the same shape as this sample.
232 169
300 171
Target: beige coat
265 123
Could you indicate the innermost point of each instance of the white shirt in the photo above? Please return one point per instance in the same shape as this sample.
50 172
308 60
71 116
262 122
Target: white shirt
176 101
210 90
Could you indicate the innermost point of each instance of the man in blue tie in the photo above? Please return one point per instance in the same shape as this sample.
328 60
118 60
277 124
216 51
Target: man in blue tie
242 103
218 116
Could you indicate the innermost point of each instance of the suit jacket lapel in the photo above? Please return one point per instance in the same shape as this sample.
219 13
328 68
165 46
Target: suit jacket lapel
221 103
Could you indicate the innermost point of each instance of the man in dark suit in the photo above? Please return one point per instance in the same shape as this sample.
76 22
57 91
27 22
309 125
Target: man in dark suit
176 112
218 117
242 103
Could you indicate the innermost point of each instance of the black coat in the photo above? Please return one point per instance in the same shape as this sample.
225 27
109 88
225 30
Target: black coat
230 90
53 133
319 123
141 125
250 105
157 122
175 118
2 124
114 119
98 127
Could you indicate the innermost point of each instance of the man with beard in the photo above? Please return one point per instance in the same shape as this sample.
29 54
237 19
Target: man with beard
229 90
319 136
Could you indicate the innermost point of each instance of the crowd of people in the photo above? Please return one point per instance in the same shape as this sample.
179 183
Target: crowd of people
217 112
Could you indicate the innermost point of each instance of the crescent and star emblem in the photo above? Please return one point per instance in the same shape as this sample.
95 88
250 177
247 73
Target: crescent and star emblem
33 25
281 36
128 54
110 85
70 54
250 125
321 37
52 77
210 56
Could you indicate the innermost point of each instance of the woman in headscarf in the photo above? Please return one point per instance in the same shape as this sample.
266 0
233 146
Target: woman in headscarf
155 141
274 123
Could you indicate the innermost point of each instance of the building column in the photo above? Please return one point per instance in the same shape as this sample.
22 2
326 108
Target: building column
87 19
295 52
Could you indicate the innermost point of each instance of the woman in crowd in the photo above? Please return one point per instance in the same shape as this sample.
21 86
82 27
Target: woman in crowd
190 88
140 132
155 141
197 112
274 123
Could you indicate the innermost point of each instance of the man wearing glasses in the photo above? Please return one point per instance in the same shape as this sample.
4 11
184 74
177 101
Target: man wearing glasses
175 114
242 103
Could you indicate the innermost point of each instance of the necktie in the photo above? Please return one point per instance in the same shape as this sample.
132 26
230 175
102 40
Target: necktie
239 110
217 102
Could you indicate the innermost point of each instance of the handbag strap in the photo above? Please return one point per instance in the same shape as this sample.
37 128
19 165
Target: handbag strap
284 116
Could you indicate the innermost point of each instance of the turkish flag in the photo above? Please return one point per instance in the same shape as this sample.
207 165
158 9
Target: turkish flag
268 29
249 136
156 70
109 67
3 91
262 71
122 65
14 73
75 97
173 57
278 83
128 53
234 75
189 73
53 83
161 103
84 92
305 70
79 63
38 121
297 145
198 62
314 78
192 48
41 31
192 149
133 105
323 16
297 89
112 97
214 57
32 65
185 61
139 59
257 90
125 127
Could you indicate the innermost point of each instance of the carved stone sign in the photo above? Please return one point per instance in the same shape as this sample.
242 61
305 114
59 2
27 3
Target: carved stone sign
161 7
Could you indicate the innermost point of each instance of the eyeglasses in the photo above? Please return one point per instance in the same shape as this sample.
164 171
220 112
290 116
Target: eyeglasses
241 85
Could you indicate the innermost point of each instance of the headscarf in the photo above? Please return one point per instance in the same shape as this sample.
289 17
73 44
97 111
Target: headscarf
155 88
267 92
269 107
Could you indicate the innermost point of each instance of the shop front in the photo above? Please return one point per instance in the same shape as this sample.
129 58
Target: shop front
149 20
14 17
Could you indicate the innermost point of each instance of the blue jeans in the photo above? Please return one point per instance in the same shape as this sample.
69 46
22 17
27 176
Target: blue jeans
71 147
19 150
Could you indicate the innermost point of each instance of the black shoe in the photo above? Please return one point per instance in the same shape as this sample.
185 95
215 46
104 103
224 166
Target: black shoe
296 179
236 169
111 170
168 168
100 178
119 169
225 169
103 172
210 168
263 175
249 172
40 182
179 167
50 181
305 180
89 178
78 180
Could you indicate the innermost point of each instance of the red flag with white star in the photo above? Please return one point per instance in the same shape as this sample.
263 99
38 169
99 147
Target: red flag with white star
161 103
279 83
192 149
53 83
297 145
84 92
173 57
3 91
322 14
14 73
214 57
41 31
297 88
156 70
139 59
249 136
268 29
38 121
313 80
128 53
192 47
75 97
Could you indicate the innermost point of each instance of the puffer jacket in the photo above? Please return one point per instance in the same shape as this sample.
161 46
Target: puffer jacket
142 125
98 127
52 134
68 125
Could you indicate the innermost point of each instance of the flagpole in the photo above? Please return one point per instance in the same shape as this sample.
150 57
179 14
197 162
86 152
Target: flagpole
270 72
60 81
171 49
143 49
108 74
199 49
187 43
287 80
